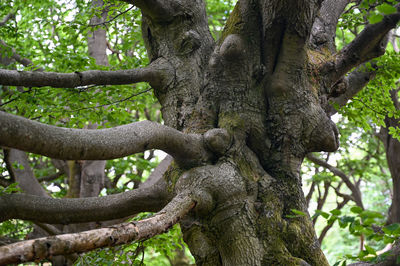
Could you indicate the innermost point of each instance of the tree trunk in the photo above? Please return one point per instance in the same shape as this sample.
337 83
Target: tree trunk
254 83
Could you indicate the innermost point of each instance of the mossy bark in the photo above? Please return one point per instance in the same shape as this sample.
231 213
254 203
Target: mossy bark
256 84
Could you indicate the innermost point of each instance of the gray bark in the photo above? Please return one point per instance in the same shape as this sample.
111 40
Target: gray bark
111 143
156 74
44 248
79 210
251 108
23 174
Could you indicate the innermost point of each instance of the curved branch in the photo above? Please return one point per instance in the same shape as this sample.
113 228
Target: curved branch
161 10
25 177
47 247
370 43
354 190
158 73
103 144
79 210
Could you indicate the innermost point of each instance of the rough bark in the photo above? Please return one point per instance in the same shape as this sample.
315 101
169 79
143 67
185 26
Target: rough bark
79 210
23 173
251 106
42 248
392 148
158 73
86 144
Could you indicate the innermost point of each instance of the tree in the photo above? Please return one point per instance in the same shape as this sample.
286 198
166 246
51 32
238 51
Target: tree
240 114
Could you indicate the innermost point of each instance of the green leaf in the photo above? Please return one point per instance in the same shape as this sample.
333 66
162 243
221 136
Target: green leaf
336 212
322 213
298 212
356 209
375 18
370 250
371 214
386 9
391 228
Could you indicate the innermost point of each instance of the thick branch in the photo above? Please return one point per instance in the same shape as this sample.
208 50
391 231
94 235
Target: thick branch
161 10
47 247
23 174
79 210
84 144
158 73
356 81
323 32
354 190
370 43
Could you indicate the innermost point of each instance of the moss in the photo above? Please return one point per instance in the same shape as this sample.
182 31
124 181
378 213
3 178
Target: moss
172 175
233 25
231 121
246 169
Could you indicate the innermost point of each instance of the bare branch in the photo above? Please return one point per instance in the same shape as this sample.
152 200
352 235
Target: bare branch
354 190
356 81
22 60
47 247
161 10
79 210
158 73
23 174
103 144
158 172
110 20
6 19
323 32
50 177
329 226
370 43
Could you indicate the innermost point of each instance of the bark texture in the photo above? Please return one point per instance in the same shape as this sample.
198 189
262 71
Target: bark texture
47 247
240 115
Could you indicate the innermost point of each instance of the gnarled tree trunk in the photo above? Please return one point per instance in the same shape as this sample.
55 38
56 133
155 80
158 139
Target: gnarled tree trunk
249 108
258 84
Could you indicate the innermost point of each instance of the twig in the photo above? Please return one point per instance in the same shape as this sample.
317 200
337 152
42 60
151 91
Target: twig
108 21
110 103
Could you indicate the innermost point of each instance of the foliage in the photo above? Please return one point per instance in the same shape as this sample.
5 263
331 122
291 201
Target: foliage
371 225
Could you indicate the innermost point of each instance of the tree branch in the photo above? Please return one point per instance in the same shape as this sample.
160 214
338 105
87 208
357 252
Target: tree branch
354 190
356 81
47 247
323 32
23 174
80 210
84 144
370 43
158 74
160 10
7 18
22 60
50 177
